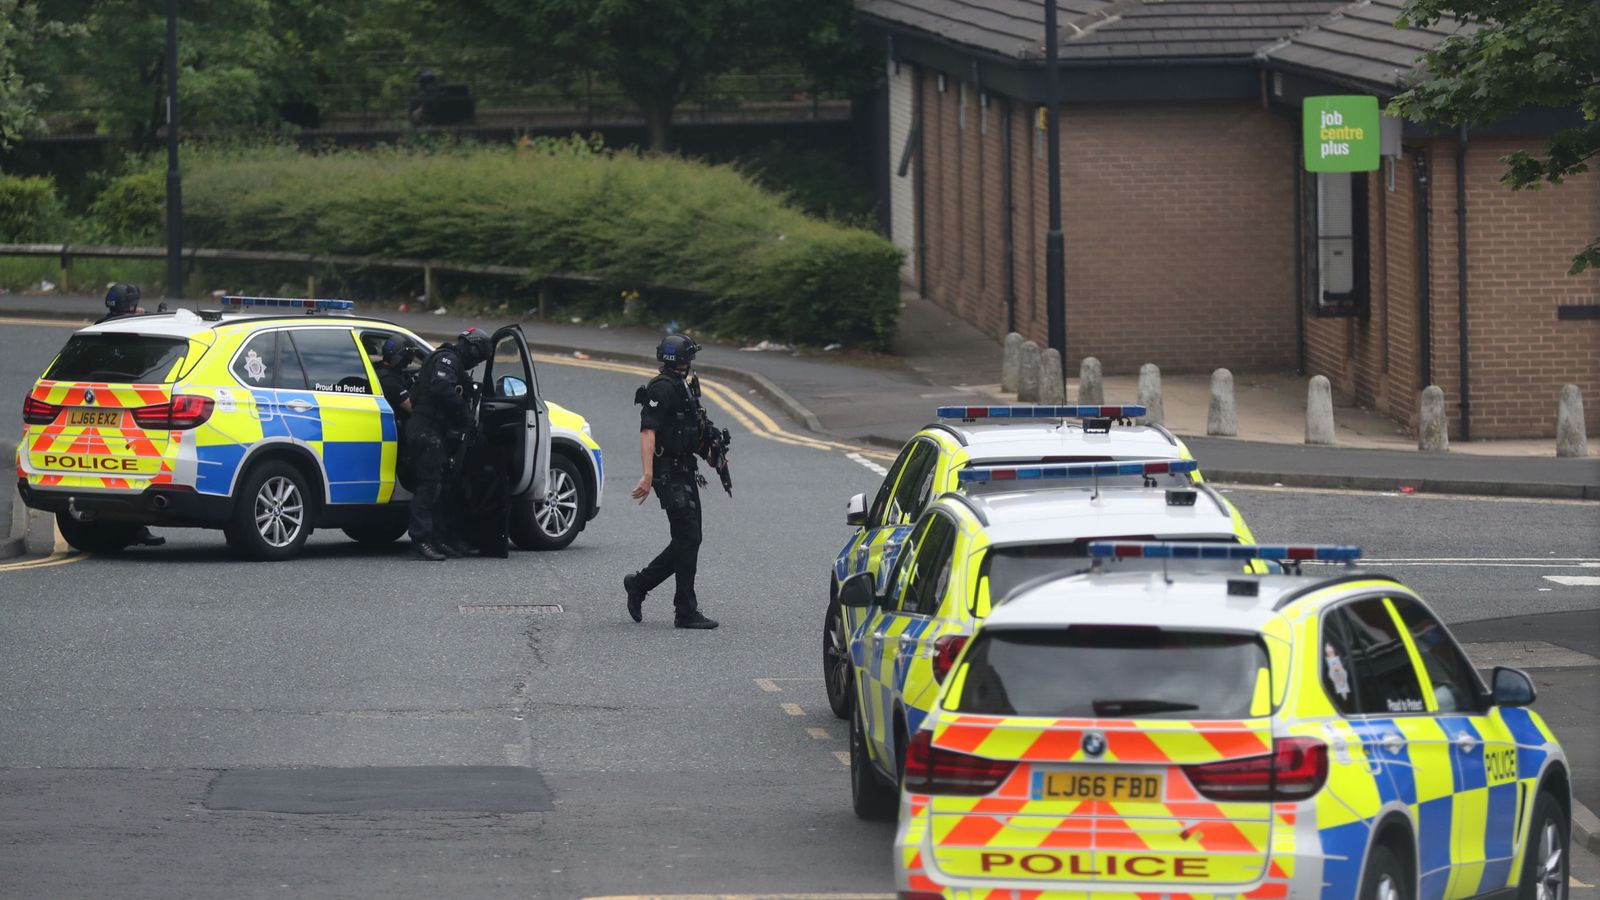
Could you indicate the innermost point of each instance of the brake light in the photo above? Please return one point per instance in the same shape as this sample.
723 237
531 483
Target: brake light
1294 770
930 770
38 412
945 652
181 412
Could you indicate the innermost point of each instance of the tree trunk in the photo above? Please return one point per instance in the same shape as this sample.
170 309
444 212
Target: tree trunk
658 125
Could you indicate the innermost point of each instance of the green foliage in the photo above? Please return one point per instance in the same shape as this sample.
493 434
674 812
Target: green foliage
819 183
132 208
1521 53
552 207
30 211
22 28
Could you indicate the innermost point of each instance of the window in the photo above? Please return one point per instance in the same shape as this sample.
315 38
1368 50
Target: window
1335 221
257 364
332 361
916 482
119 359
1385 681
290 375
1456 687
929 572
1116 672
1337 682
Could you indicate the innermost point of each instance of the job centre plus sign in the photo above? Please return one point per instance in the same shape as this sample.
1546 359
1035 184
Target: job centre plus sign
1341 134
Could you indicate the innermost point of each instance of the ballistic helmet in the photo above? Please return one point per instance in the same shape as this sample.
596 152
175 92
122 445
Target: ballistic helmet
474 347
676 350
391 350
123 297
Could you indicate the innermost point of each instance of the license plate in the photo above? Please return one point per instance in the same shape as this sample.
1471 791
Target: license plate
1108 786
95 417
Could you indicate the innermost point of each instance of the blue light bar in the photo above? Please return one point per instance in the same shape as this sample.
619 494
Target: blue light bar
990 474
1040 412
287 303
1279 552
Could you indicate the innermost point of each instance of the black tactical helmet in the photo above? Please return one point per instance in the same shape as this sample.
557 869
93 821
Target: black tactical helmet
677 349
391 350
123 297
474 347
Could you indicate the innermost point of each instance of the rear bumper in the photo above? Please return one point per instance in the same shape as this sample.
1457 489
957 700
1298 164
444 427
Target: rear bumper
151 506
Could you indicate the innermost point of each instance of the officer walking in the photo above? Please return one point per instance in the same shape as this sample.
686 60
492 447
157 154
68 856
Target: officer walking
442 416
122 301
671 426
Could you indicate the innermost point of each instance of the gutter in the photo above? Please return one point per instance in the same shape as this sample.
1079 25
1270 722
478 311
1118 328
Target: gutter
1461 282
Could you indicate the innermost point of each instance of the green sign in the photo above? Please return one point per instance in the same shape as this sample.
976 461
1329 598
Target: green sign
1341 134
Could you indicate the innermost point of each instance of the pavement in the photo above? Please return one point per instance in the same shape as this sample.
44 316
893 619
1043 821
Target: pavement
939 359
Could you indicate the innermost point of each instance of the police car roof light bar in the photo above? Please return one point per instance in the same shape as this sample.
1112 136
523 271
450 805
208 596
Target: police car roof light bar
1041 412
289 303
1167 550
991 474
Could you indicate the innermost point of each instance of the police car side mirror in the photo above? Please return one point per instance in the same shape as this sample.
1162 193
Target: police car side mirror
509 386
857 591
1512 687
855 511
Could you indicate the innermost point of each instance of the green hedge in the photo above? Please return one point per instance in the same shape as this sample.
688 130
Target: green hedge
770 270
30 211
133 207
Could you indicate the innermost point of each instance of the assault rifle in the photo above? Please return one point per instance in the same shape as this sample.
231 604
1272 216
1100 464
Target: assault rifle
714 450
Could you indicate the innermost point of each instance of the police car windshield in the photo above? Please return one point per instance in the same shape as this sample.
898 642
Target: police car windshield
1115 672
1008 567
119 359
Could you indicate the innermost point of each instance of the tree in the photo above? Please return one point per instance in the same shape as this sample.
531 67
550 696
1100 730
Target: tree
22 29
1520 53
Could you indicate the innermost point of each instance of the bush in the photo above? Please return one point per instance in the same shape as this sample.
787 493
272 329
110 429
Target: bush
636 221
132 208
30 211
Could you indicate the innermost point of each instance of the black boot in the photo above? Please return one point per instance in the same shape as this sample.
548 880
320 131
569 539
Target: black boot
630 583
696 621
143 538
427 551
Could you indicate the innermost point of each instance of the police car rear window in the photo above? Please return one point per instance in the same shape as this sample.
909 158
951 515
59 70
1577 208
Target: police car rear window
1013 565
119 359
1095 672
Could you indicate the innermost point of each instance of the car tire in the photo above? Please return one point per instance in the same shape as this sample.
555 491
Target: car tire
1546 863
873 798
838 675
554 522
380 534
1385 877
96 537
272 514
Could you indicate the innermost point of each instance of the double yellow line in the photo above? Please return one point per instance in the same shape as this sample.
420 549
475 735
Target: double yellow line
60 555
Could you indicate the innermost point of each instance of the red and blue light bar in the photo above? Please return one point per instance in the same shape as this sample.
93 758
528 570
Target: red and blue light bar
1276 552
287 303
1041 412
991 474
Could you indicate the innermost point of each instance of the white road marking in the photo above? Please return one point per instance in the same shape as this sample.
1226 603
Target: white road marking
793 709
1490 562
766 684
842 757
874 467
818 734
1575 580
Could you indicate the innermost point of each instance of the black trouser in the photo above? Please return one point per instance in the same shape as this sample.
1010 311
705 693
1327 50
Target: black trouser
432 501
679 492
486 509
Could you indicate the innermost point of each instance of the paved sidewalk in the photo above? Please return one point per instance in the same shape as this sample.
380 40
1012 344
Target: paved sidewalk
941 360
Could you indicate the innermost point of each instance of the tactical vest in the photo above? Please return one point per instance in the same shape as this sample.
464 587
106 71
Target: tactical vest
679 434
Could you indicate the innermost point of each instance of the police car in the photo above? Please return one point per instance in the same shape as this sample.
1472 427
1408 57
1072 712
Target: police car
267 426
929 465
972 548
1203 732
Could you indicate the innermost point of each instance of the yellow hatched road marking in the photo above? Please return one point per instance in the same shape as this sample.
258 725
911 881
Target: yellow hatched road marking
819 734
842 756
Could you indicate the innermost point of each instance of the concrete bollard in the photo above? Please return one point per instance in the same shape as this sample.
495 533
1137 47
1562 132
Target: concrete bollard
1091 387
1222 419
1052 386
1571 434
1433 429
1011 364
1319 411
1028 373
1150 394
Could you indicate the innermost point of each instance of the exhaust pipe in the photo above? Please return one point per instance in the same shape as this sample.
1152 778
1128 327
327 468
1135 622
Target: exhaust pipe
161 502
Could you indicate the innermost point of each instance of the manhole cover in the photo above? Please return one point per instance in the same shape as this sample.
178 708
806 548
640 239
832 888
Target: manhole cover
512 609
487 789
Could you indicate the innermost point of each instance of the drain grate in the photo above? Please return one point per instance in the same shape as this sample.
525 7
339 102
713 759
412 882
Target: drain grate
512 609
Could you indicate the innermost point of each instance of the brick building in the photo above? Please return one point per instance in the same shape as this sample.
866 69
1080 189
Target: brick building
1194 237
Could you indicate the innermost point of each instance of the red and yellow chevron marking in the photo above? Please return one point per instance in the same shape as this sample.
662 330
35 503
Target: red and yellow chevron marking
110 457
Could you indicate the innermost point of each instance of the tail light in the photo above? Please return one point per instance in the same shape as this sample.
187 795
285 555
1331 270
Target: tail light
38 412
181 412
930 770
945 652
1294 770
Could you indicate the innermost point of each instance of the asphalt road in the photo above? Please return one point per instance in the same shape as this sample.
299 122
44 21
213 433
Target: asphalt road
150 705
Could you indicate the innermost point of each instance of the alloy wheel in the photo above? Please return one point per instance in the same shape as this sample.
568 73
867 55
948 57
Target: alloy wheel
1550 876
1387 889
279 511
559 509
838 657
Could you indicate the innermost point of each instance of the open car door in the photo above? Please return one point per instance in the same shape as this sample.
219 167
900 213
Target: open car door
513 413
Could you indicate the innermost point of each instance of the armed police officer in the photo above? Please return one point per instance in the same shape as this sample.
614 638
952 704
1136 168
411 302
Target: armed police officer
443 415
122 301
672 429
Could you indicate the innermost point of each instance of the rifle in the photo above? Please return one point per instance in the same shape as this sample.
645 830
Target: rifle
713 449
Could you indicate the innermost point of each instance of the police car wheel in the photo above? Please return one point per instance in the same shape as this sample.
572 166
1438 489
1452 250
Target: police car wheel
378 535
873 799
272 515
554 522
96 537
836 674
1545 865
1385 878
